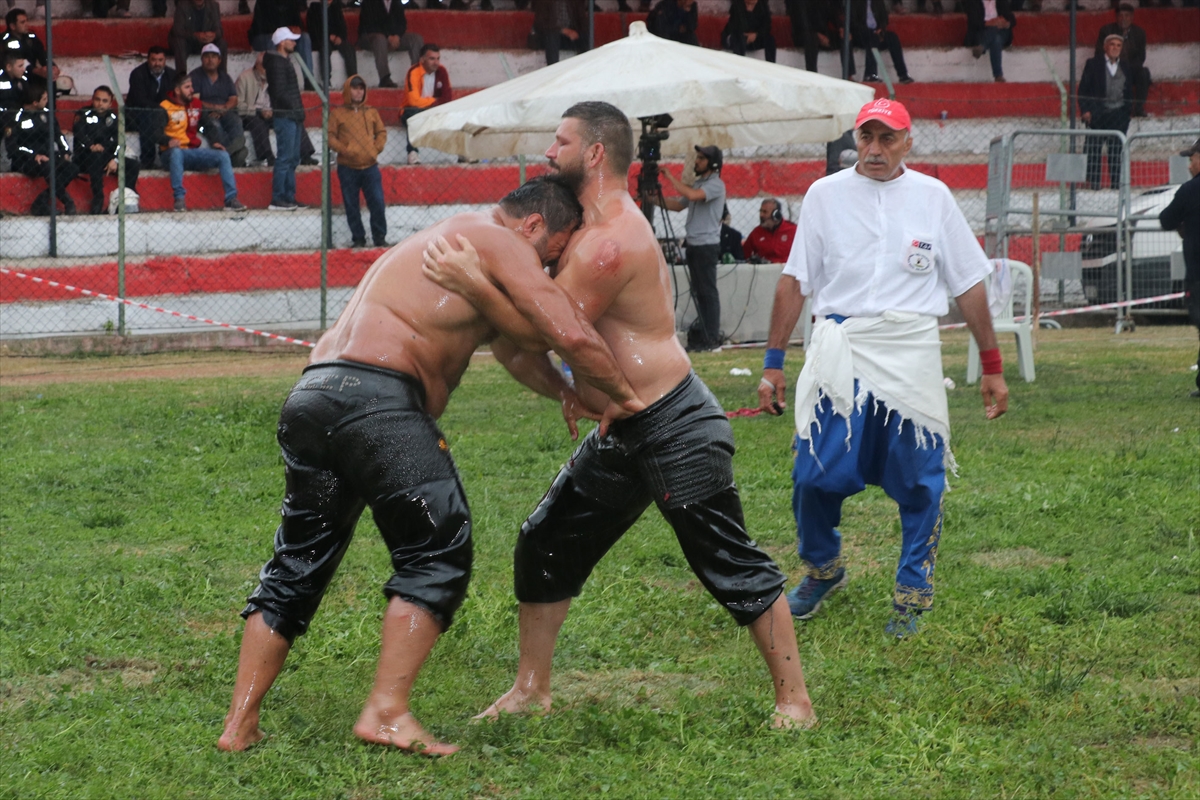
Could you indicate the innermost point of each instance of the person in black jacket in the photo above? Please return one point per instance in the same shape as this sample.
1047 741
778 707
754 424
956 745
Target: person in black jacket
675 20
1105 101
749 28
990 34
1183 215
869 29
288 118
382 28
149 84
270 16
12 87
1133 53
28 144
559 24
807 18
339 42
96 147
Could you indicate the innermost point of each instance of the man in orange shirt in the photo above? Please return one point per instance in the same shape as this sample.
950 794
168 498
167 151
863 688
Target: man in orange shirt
772 240
427 84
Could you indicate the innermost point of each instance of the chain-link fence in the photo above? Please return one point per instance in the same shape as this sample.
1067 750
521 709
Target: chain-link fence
268 266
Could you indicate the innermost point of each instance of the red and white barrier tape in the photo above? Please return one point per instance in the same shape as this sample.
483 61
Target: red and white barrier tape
1102 307
135 304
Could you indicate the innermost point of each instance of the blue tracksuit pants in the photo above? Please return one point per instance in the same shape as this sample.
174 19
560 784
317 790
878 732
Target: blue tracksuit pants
884 452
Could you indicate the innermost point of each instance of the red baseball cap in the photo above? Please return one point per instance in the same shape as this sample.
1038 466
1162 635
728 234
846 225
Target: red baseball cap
890 112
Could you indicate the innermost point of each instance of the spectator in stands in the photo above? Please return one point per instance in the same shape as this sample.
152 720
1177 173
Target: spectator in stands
220 123
28 145
39 11
149 85
990 26
339 41
749 28
426 85
287 118
1105 101
96 147
675 20
269 17
1183 215
254 107
18 38
197 24
181 146
806 17
357 135
101 8
1133 53
869 29
557 25
382 29
12 87
772 240
731 240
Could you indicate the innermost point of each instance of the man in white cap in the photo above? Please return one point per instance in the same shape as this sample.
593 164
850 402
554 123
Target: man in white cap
1105 103
878 249
288 115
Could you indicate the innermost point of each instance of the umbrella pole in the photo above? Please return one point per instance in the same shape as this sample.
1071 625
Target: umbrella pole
846 43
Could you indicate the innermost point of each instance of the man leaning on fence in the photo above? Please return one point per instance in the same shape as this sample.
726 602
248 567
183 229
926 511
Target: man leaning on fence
1183 215
96 146
1105 102
357 135
181 147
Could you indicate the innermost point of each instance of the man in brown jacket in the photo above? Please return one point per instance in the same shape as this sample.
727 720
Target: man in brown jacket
357 135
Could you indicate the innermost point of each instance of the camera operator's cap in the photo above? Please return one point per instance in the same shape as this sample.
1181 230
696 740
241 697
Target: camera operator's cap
210 48
712 153
1191 151
283 33
890 112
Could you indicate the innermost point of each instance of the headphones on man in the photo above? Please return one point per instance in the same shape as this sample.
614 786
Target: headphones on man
777 212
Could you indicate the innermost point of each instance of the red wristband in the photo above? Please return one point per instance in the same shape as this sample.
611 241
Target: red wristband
992 364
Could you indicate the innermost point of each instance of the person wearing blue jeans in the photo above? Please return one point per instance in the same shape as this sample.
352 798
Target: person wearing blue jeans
288 114
990 26
197 160
369 182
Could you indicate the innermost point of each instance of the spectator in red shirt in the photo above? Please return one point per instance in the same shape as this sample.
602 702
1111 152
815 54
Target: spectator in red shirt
772 240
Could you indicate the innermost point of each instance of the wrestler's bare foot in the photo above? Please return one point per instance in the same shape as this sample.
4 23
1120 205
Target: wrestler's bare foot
403 732
239 735
794 717
517 701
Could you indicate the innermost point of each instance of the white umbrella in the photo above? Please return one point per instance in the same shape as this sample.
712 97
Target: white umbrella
715 98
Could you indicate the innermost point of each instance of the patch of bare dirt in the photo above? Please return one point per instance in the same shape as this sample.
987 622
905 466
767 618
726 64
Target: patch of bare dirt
627 687
1017 557
1160 742
37 371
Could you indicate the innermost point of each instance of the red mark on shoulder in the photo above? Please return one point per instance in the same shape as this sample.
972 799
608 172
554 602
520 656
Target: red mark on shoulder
608 256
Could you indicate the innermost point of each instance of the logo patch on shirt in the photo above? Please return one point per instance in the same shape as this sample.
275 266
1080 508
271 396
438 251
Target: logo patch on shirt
918 244
919 263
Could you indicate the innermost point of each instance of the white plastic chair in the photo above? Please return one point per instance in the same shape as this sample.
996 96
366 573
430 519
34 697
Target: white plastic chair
1004 322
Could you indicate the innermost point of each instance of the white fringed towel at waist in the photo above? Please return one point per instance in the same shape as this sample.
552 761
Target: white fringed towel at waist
896 357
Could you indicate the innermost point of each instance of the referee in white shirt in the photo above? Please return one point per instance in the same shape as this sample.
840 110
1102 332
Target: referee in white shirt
878 248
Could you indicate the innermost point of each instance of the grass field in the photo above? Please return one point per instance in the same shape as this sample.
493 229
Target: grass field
1062 658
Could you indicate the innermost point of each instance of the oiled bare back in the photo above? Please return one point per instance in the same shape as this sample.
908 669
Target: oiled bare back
399 319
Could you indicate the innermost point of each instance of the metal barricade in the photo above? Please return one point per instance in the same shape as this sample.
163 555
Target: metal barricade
1155 263
1057 200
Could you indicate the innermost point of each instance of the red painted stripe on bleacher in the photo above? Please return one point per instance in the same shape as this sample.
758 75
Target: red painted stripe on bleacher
509 30
179 275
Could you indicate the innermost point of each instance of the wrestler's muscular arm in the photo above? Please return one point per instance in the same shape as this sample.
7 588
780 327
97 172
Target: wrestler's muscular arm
974 306
547 307
537 372
785 313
